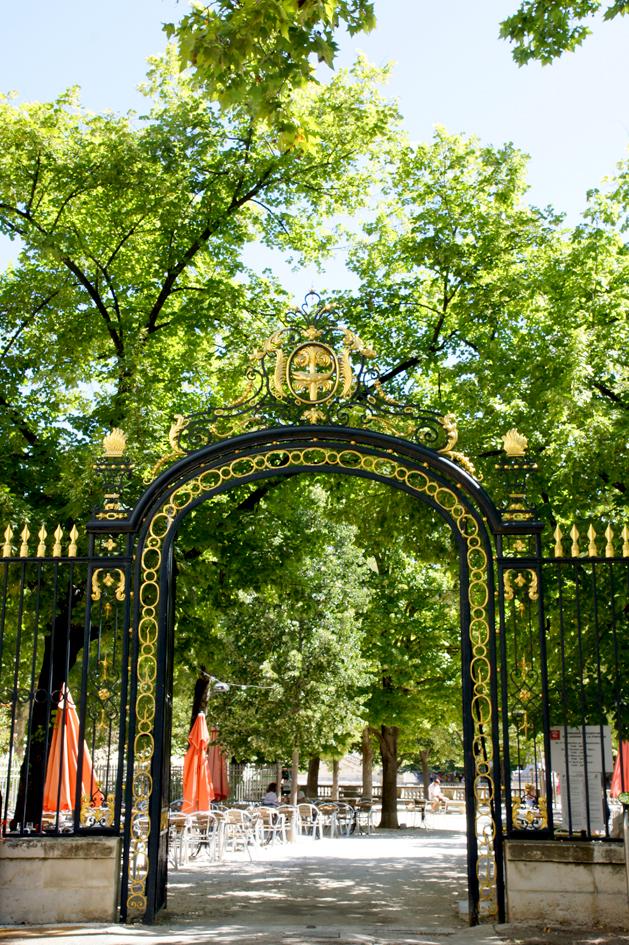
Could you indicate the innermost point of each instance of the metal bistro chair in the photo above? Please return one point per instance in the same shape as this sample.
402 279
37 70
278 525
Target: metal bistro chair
221 832
272 825
327 816
291 816
240 830
177 838
309 823
202 834
416 806
344 818
363 816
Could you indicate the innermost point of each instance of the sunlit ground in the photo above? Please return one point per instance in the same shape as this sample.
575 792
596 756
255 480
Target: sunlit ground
408 878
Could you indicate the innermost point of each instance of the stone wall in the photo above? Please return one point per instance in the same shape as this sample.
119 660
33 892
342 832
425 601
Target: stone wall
565 881
59 879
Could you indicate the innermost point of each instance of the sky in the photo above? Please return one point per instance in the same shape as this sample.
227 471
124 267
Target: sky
572 118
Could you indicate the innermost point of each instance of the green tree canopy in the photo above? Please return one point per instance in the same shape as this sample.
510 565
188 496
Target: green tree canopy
256 53
285 615
545 29
131 302
490 309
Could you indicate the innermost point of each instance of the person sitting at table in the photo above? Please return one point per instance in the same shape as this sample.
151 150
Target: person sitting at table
270 799
435 793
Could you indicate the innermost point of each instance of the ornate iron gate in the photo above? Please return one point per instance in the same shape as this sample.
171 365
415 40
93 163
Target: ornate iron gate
72 627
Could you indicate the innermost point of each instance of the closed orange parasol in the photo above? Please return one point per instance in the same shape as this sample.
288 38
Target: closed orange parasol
197 784
218 770
63 756
621 771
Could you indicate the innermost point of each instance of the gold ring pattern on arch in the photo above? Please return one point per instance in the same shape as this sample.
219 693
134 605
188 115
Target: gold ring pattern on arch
478 596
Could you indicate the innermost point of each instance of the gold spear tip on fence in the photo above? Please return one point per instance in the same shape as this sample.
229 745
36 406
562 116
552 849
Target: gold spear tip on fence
515 443
115 442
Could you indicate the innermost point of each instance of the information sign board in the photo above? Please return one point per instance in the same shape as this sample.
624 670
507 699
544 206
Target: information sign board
597 751
584 745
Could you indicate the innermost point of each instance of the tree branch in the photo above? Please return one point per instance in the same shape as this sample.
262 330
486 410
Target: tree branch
610 395
25 322
374 731
25 430
98 302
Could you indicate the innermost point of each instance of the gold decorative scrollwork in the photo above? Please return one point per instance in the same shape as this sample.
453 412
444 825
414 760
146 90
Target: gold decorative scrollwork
209 482
173 438
101 815
520 581
449 425
529 817
108 581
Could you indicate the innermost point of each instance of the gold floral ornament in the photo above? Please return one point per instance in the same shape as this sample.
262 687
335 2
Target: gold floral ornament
115 443
515 443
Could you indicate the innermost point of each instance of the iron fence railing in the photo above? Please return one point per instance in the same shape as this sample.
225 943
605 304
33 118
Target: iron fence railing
564 680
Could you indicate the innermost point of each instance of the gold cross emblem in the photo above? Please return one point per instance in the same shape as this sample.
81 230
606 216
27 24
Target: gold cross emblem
313 381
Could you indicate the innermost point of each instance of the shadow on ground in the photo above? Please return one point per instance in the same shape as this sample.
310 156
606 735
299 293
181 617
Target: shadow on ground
407 877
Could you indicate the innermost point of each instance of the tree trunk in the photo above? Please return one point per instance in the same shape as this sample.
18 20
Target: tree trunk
367 764
312 787
294 785
335 779
388 739
424 755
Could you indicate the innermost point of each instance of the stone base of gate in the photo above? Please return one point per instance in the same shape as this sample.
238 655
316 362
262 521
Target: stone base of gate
59 879
566 882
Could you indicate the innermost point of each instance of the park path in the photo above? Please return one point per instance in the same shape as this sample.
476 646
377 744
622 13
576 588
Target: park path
408 879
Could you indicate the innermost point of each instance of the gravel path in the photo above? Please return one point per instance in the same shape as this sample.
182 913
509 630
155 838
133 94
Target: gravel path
407 878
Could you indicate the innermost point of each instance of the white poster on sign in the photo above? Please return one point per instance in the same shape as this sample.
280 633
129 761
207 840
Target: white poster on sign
576 816
584 747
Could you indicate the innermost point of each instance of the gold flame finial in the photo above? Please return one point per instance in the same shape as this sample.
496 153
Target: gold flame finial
115 442
515 443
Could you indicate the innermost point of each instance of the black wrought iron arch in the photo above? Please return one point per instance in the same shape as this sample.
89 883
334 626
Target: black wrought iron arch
185 467
437 482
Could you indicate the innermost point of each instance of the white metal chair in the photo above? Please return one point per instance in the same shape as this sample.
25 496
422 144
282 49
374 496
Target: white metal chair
202 835
177 838
272 825
239 830
327 818
309 823
344 818
363 814
291 816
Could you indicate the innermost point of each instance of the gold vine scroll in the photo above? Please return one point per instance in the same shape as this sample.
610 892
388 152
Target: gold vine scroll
280 459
